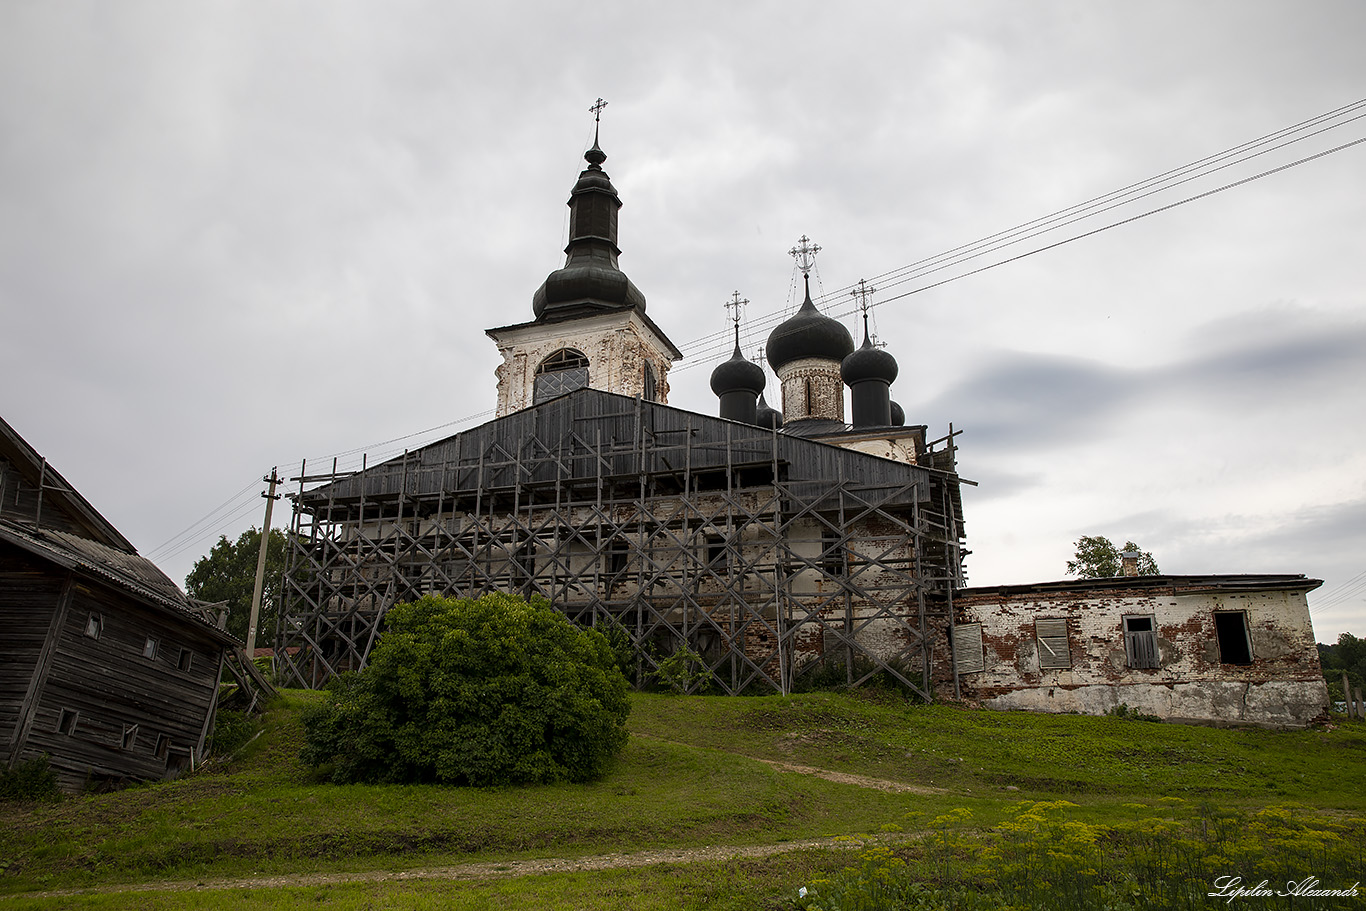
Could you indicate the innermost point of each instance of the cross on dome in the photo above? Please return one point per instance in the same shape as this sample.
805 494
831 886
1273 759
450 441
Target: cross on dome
805 254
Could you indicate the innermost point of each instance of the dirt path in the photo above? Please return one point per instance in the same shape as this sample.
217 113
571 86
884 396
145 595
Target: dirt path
511 868
472 871
881 784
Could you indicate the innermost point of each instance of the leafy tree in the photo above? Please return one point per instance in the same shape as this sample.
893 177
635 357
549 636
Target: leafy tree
1098 558
1348 654
489 691
228 573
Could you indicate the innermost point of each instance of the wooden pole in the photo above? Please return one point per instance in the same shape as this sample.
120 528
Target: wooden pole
271 497
1347 695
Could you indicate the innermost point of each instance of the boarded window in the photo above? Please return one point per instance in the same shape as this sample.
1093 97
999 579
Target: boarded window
1140 642
149 648
564 371
1054 651
1235 645
968 655
186 659
94 626
130 737
66 722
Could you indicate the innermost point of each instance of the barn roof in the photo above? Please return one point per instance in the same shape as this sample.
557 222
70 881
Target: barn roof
56 491
134 575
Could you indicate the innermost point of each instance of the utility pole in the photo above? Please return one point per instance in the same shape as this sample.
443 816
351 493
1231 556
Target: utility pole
271 496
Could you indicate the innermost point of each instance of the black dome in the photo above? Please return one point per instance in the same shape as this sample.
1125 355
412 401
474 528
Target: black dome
898 416
738 375
586 286
767 416
591 279
808 333
868 363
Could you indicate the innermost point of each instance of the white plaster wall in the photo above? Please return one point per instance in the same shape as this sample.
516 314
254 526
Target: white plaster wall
1282 686
617 345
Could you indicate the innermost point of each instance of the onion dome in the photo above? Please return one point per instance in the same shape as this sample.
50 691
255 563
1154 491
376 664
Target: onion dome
898 415
868 363
590 279
738 375
808 333
767 416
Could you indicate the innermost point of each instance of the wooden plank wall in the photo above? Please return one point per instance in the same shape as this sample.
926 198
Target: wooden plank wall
28 596
112 686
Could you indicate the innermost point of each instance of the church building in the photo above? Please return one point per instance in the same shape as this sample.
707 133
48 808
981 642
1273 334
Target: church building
767 548
764 546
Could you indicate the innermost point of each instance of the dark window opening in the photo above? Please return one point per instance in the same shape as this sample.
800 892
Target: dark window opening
564 371
130 737
66 722
833 553
716 552
186 658
1230 628
163 746
810 405
149 648
94 626
648 390
618 554
524 564
1140 642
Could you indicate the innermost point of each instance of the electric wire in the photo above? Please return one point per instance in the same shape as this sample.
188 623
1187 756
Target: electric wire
1085 234
710 344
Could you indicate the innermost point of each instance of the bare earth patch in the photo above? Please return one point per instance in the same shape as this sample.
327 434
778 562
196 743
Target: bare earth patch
473 871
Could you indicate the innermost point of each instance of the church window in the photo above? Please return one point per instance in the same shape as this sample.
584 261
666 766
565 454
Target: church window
564 371
648 385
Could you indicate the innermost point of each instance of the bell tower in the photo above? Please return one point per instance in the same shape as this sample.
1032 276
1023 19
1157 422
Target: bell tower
589 326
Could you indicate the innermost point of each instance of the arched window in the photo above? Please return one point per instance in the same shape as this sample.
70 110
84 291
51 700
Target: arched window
648 387
564 371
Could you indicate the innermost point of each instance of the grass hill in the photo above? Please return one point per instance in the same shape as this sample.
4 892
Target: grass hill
700 810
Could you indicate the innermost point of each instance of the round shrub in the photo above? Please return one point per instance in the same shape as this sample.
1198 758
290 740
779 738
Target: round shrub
488 691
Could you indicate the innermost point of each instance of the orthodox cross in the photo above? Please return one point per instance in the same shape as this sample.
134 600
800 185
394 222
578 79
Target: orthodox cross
805 254
736 304
596 110
861 294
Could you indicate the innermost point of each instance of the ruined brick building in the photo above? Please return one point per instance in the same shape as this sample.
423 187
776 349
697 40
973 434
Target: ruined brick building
770 545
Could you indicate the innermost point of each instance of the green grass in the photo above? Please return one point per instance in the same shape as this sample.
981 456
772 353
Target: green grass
683 781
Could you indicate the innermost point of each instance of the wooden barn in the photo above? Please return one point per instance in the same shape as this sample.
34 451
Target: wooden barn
106 666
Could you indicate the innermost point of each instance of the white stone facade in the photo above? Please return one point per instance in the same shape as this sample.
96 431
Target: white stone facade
1198 670
620 347
812 388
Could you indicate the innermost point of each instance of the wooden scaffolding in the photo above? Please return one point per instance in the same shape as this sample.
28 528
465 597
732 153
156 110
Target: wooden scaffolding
766 556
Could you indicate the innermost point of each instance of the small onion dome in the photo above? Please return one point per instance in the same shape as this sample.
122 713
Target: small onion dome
898 416
868 363
808 333
768 417
738 375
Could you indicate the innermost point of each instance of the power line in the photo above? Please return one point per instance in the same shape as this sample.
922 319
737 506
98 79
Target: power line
710 344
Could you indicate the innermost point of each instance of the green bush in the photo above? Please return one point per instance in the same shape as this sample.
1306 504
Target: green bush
231 731
479 692
32 779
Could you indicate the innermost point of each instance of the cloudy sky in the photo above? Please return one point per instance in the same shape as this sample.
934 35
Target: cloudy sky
237 235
